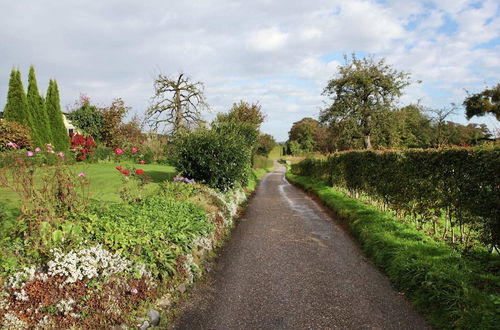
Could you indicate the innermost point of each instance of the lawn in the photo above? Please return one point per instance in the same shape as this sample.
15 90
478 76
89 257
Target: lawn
105 180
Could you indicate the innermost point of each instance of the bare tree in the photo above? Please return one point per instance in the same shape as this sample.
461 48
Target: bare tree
439 118
177 103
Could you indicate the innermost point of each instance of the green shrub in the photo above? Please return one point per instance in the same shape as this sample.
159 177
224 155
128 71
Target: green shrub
218 159
101 154
13 132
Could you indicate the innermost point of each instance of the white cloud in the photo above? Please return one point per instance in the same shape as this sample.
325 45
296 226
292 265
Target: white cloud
281 53
269 39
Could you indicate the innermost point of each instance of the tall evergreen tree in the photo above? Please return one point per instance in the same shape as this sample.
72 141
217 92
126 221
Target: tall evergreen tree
60 136
36 106
16 109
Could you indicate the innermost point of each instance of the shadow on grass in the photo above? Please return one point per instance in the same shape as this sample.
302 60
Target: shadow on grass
160 176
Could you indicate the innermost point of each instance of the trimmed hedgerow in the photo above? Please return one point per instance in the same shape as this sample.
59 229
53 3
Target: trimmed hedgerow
438 281
459 188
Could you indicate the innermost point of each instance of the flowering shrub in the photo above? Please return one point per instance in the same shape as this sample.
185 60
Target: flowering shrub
11 132
58 192
82 146
132 192
183 179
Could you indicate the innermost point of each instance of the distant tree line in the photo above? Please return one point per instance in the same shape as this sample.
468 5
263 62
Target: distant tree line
363 114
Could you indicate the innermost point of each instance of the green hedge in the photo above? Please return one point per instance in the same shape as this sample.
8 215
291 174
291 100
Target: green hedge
433 275
458 186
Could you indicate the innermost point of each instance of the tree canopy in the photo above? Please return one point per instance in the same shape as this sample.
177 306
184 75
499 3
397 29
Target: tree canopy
363 91
487 101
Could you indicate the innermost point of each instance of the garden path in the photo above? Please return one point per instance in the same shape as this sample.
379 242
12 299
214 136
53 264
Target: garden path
288 265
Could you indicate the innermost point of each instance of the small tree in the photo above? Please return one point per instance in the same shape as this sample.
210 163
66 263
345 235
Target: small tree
16 109
177 103
488 101
265 144
36 105
60 137
88 118
363 90
243 119
112 122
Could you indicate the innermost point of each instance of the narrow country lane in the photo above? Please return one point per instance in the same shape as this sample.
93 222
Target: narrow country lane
288 265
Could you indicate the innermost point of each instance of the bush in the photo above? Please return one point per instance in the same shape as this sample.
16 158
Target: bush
101 154
13 132
217 159
83 146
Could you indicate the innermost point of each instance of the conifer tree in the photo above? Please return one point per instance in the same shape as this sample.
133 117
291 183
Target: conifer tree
60 136
36 107
16 109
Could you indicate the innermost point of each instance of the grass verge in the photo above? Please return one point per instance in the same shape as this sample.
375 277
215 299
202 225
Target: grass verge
436 278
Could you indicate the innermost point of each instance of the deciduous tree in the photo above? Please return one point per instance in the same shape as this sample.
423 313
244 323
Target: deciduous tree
488 101
363 90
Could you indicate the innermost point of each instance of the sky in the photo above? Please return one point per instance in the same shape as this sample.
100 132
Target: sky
281 53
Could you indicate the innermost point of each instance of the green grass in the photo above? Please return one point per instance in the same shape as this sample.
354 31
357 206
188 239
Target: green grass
276 153
105 180
437 279
255 177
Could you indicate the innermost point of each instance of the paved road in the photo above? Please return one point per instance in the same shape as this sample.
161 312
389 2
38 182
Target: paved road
288 265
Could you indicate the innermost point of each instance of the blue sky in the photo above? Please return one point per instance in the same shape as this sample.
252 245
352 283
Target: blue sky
280 53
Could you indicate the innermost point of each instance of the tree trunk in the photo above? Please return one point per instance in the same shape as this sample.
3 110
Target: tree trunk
368 142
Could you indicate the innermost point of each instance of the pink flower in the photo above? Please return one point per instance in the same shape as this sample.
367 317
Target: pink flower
81 174
134 150
134 291
119 151
139 172
13 145
125 172
30 153
119 168
142 162
37 149
61 154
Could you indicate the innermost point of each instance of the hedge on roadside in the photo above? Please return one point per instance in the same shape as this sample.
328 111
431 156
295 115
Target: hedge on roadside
460 185
432 274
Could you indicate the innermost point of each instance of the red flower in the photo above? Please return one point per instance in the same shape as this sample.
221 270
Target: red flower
119 151
139 172
142 162
125 172
119 168
134 150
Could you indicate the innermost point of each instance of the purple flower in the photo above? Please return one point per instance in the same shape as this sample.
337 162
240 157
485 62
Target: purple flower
81 174
134 291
